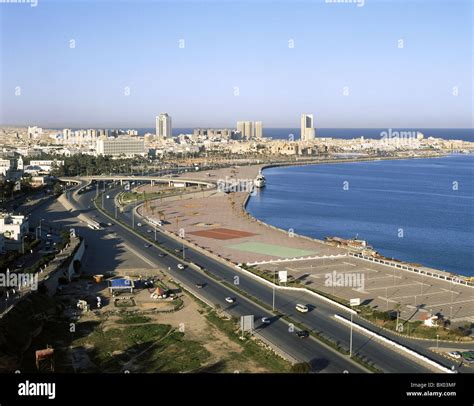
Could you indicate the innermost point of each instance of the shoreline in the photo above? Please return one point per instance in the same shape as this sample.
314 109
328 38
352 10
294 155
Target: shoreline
394 261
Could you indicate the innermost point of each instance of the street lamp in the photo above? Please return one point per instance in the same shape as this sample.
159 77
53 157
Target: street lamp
350 340
23 244
38 229
274 288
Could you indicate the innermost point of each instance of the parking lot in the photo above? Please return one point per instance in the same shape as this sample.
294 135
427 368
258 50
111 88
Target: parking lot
382 286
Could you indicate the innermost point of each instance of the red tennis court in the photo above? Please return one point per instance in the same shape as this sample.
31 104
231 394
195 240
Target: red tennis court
222 233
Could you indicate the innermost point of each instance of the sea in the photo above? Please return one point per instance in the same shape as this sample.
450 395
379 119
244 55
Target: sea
416 210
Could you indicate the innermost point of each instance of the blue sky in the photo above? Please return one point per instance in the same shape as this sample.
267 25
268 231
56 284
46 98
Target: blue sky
242 44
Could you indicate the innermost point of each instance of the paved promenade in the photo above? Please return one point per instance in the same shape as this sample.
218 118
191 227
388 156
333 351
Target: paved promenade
217 222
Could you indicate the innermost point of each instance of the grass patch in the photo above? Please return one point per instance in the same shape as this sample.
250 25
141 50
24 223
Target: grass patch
250 349
145 348
415 328
131 318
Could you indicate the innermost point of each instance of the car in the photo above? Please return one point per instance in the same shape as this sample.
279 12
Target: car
454 354
108 197
266 320
139 224
147 245
200 285
229 299
177 250
162 254
302 334
110 224
48 235
148 231
180 266
302 308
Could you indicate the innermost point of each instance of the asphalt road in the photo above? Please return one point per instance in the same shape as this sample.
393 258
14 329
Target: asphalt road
310 350
320 318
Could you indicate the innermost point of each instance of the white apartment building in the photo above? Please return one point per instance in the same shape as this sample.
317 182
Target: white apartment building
121 146
13 227
46 165
34 132
5 166
163 126
307 127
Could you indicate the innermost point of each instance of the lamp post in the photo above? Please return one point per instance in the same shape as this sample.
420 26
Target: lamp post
38 229
23 244
350 340
274 283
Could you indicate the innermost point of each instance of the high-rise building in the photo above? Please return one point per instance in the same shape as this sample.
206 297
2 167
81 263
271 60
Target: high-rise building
307 127
258 128
163 126
249 129
67 135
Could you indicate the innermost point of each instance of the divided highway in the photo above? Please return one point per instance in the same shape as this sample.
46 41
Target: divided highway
320 318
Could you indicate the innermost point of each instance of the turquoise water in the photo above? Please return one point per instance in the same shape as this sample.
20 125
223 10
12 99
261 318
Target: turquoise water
418 210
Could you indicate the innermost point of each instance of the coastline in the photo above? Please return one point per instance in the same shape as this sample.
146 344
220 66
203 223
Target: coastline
426 269
262 248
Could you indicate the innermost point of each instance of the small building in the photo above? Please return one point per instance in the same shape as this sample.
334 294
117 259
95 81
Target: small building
37 181
13 227
430 321
121 285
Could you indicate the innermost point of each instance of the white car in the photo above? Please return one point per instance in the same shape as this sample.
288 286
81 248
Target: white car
229 299
180 266
454 354
139 224
266 320
302 308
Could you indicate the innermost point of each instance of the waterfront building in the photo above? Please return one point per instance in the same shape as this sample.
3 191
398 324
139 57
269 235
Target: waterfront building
307 127
163 126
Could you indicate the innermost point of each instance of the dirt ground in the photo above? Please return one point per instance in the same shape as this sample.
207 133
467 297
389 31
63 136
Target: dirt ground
226 355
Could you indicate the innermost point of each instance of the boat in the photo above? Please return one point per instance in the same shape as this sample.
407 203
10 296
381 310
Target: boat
259 181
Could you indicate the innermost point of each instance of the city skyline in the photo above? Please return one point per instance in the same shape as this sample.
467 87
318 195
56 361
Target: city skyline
317 58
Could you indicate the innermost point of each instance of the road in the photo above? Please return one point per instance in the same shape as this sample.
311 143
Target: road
320 318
